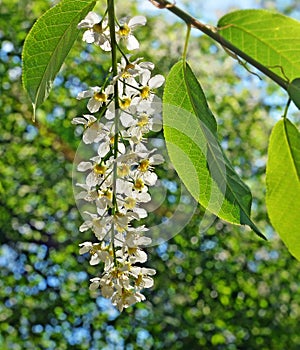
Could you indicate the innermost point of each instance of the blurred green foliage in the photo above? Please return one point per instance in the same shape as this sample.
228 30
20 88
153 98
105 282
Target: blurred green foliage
222 289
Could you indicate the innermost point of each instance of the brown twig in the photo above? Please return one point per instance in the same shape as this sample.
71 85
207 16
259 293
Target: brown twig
161 5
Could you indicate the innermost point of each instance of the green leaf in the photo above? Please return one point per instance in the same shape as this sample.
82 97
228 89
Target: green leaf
270 38
294 91
191 136
283 184
47 45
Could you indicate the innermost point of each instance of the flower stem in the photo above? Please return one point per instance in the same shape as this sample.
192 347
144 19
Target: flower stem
111 22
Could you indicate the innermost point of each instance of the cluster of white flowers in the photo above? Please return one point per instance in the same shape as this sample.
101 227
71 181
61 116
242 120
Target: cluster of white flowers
118 178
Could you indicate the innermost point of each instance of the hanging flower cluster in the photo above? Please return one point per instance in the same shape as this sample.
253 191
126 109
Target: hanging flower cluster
118 178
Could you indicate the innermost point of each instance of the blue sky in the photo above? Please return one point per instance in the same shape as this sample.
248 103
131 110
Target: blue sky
207 7
211 11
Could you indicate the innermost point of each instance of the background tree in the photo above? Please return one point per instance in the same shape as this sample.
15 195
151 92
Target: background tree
224 288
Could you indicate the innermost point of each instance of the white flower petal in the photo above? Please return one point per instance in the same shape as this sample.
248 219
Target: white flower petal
103 149
107 291
85 94
110 113
85 247
156 81
81 195
156 159
95 259
148 282
144 197
109 90
90 19
127 120
144 241
95 284
90 118
137 21
96 159
142 213
150 178
144 77
121 148
93 106
147 271
156 124
91 180
141 256
89 36
85 226
83 166
90 135
147 65
132 43
140 296
106 46
79 120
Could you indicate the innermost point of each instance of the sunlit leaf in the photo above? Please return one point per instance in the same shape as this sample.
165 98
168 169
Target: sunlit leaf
270 38
294 91
283 184
190 131
47 45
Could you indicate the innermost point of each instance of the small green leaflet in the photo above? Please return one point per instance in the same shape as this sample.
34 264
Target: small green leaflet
283 184
191 136
294 91
47 45
270 38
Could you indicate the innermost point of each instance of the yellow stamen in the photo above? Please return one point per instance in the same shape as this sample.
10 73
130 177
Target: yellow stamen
121 222
139 280
93 251
100 96
124 30
145 92
123 170
143 120
131 251
97 28
116 273
125 102
108 194
144 165
100 169
138 184
126 75
130 203
89 123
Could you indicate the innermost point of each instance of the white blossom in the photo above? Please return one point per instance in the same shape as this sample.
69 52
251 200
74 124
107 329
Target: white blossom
92 130
124 298
118 177
126 27
129 70
107 141
149 83
143 279
100 171
97 224
97 33
97 97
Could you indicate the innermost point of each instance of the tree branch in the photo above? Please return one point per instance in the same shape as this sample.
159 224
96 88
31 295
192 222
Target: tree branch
213 33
